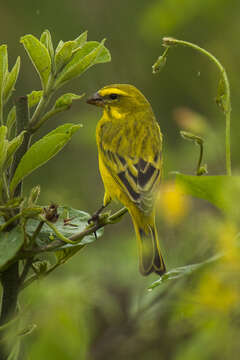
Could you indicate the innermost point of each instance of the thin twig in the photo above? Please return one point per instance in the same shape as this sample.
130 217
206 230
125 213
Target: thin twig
76 238
168 41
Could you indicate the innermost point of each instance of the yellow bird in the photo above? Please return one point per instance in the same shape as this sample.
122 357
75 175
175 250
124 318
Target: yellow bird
129 144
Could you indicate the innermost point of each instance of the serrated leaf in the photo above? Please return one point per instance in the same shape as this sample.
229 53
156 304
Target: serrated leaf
42 151
46 39
63 55
11 79
10 243
34 97
70 222
81 40
39 56
90 54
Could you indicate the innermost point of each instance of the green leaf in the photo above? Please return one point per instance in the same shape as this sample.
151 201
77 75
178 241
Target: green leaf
15 350
63 55
10 243
27 331
81 40
60 44
12 147
64 102
160 63
34 195
3 66
11 204
182 271
220 190
3 145
42 151
205 187
191 137
11 81
90 54
32 211
11 118
3 75
39 56
34 97
46 39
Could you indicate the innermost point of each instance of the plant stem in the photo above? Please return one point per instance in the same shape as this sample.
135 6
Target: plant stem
36 232
200 158
10 221
10 277
35 123
22 121
10 284
59 235
25 270
168 41
5 186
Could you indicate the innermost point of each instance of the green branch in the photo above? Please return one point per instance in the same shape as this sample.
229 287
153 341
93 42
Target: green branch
223 97
104 220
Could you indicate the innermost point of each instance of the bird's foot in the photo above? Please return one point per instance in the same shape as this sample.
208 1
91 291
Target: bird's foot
96 216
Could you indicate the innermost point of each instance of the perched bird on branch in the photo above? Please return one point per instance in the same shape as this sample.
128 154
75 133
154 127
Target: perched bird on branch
129 144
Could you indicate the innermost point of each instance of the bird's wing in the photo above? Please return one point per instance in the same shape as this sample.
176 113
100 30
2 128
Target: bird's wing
137 176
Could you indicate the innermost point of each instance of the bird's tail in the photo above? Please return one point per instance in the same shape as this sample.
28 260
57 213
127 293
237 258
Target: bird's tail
150 257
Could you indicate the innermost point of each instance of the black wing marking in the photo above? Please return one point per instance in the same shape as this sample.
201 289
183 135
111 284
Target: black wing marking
135 195
137 177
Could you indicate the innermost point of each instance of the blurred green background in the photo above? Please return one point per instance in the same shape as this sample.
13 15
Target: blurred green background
97 305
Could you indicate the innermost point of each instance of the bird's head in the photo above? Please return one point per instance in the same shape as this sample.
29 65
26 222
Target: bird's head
119 98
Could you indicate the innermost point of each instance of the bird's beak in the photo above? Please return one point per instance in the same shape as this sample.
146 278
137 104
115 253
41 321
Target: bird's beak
96 99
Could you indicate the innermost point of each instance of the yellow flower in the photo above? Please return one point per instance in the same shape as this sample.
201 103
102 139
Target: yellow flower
173 203
227 240
216 294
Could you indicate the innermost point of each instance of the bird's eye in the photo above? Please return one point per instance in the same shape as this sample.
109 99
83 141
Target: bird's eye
113 96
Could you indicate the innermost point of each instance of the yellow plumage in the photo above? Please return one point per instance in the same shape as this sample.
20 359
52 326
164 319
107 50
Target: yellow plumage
129 144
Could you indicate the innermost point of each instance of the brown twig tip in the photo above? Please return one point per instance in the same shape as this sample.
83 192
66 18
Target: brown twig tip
169 41
22 103
51 213
21 98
